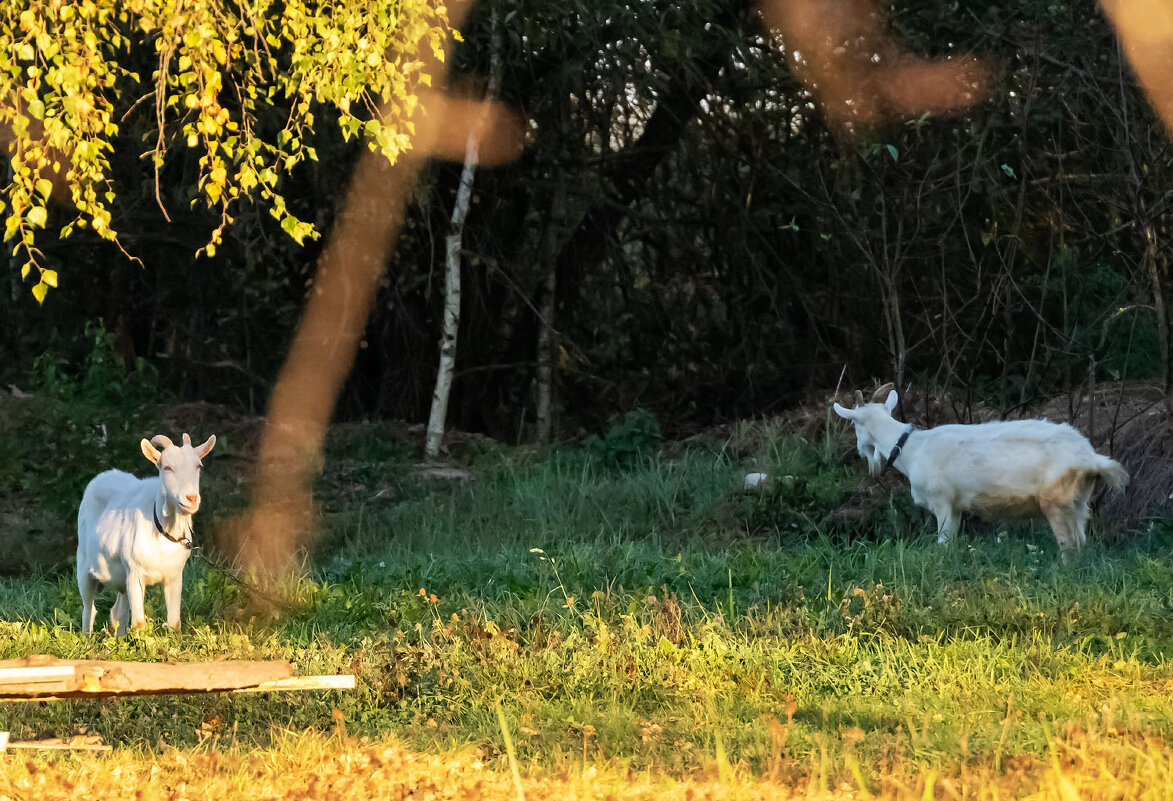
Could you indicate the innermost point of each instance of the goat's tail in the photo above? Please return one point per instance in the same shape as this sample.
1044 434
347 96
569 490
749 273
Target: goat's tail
1113 473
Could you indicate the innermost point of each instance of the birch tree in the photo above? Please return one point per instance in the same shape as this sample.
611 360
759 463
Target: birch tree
69 82
453 246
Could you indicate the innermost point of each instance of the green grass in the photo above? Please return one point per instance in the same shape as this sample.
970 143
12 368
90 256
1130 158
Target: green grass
668 622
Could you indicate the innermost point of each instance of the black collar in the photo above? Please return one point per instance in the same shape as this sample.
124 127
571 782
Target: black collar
899 446
186 543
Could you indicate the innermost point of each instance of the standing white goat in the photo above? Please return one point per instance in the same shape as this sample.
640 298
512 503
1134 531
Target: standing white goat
134 532
1014 468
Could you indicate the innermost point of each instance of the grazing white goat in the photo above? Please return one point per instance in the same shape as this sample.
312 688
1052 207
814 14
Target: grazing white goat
134 532
1014 468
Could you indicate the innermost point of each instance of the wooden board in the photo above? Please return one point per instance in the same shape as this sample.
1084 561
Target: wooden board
45 678
80 742
36 675
302 683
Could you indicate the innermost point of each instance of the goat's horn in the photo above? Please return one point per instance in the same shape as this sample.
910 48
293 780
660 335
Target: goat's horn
882 392
186 439
160 441
858 398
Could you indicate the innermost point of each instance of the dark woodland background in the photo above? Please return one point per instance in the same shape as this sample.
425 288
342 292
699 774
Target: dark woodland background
718 251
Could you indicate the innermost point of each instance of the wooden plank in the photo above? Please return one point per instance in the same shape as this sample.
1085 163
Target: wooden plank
303 683
35 675
292 683
98 679
80 742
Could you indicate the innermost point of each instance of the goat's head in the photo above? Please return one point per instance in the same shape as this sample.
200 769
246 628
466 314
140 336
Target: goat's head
179 469
865 418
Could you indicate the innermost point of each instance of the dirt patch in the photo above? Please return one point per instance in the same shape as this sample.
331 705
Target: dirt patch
33 538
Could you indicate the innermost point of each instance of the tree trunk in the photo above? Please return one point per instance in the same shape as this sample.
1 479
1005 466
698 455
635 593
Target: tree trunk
899 345
452 248
547 336
1153 264
630 172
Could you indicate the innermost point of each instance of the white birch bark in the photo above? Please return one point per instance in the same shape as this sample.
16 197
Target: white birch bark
452 247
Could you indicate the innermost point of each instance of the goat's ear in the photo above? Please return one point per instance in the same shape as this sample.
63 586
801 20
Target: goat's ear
153 456
859 401
882 392
844 412
206 448
893 399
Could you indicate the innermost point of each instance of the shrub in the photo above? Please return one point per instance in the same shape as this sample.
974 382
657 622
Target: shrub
637 434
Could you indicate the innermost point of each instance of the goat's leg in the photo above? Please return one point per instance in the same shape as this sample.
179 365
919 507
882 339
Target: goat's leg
1063 525
120 614
134 596
1082 513
948 521
88 585
172 592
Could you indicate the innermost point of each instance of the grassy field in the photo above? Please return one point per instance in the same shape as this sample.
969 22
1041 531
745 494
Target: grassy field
645 627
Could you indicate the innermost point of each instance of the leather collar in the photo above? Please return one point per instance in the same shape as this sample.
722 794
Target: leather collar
899 447
186 543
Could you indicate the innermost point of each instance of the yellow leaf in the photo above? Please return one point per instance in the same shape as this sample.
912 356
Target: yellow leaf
37 216
39 292
49 277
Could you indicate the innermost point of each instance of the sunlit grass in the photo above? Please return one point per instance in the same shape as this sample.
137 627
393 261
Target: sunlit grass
645 632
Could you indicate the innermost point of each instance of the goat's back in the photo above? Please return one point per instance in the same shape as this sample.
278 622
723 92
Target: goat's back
1003 458
1035 433
114 487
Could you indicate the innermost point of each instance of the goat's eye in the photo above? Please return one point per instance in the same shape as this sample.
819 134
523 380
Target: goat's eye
168 468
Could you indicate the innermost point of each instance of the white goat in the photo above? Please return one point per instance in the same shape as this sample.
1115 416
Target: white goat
134 532
1014 468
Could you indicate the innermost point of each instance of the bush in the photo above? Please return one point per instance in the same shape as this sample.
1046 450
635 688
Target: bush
636 435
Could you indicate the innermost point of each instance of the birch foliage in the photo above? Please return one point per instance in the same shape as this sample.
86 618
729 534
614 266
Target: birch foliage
71 76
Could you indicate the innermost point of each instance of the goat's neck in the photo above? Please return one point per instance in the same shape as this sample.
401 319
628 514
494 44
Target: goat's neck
887 432
176 524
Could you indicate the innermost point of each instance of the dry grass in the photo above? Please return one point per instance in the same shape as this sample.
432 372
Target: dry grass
315 766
